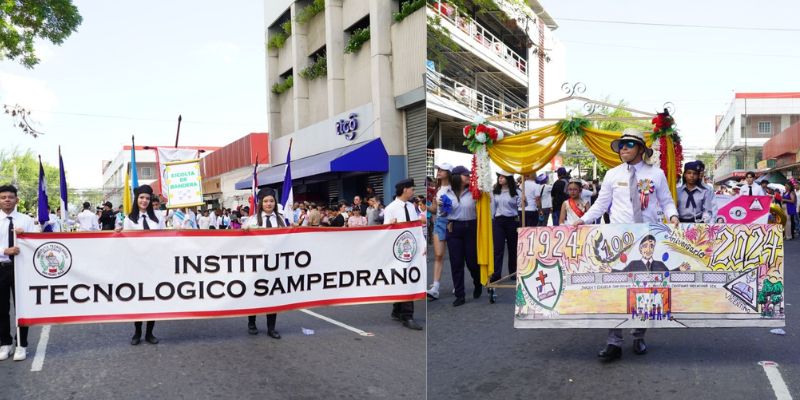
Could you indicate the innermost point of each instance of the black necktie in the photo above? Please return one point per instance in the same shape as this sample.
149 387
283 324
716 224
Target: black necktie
408 216
648 265
10 235
690 200
267 221
751 190
144 223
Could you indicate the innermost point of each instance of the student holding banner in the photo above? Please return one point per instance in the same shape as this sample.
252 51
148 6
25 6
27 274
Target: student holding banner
635 191
505 202
142 217
267 218
462 236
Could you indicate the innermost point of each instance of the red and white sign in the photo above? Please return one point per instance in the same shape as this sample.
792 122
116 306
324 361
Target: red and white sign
742 209
182 274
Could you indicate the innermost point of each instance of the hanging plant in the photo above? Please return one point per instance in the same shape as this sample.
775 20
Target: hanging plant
357 40
574 127
305 15
278 39
281 87
408 9
317 69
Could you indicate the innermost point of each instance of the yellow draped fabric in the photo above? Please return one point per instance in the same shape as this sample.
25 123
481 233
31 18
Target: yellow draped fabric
529 151
485 242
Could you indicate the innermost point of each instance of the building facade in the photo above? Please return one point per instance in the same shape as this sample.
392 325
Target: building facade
487 62
346 92
750 121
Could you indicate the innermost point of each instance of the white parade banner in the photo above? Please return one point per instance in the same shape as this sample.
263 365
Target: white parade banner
184 184
166 155
91 277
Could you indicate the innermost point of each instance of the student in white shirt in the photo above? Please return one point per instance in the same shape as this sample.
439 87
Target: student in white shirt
11 223
637 192
142 217
266 217
87 219
203 221
750 188
398 211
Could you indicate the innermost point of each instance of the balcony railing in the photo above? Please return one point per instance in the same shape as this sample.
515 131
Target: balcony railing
479 35
481 103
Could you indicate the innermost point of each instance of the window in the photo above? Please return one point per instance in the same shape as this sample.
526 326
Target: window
147 172
764 127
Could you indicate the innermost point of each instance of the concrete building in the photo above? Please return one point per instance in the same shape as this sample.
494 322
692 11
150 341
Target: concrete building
750 121
487 63
146 168
230 164
346 88
782 153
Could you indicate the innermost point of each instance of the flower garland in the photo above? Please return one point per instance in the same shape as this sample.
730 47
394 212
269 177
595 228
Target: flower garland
663 129
477 138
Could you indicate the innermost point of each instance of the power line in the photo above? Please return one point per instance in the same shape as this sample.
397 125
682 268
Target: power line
125 117
662 50
692 26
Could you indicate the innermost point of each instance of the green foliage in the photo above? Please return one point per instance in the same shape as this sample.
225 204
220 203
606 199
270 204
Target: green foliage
305 15
278 39
439 43
22 22
317 69
574 126
357 39
281 87
22 170
408 9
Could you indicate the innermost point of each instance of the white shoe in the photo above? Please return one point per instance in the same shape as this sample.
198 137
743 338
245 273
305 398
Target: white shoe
20 353
433 293
4 352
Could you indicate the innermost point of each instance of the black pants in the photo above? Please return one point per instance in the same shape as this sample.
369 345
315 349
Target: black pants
403 310
545 217
462 246
272 319
6 293
531 218
137 326
504 234
556 214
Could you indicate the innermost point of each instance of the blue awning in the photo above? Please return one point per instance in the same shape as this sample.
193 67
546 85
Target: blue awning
369 156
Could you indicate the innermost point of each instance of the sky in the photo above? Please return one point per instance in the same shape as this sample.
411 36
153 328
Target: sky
697 69
131 69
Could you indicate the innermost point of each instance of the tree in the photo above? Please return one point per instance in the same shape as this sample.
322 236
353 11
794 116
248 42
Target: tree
21 22
22 170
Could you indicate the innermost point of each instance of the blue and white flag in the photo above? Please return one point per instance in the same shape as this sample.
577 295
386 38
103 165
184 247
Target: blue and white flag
43 212
287 197
62 186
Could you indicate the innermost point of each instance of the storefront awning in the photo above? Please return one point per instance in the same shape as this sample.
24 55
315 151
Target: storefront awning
369 156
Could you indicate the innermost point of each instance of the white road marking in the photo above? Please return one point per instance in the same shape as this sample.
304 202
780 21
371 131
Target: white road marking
41 349
337 323
776 380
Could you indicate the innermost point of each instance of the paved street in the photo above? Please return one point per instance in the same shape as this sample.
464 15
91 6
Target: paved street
216 358
474 352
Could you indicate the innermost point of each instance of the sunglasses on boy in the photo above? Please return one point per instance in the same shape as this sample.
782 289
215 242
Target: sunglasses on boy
627 144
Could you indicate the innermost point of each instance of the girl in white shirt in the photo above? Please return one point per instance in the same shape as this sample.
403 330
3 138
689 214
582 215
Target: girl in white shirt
574 208
266 217
143 217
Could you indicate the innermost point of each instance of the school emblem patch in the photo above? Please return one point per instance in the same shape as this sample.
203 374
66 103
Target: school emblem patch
52 260
405 247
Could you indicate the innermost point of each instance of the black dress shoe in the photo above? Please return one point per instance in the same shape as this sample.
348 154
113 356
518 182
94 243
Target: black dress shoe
476 293
251 329
492 295
459 302
274 334
639 347
135 340
396 317
411 324
151 339
611 352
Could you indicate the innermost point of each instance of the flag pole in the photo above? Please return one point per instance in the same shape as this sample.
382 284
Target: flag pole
178 133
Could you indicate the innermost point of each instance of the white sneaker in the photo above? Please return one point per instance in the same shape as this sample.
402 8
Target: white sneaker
4 352
20 353
433 293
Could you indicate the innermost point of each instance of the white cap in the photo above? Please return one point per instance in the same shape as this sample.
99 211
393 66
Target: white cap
445 167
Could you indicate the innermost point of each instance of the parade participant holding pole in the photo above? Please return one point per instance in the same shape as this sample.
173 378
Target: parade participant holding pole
266 217
401 210
441 207
693 200
462 236
505 202
143 217
636 191
11 223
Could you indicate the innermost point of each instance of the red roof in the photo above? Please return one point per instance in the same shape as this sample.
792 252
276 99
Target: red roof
769 95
